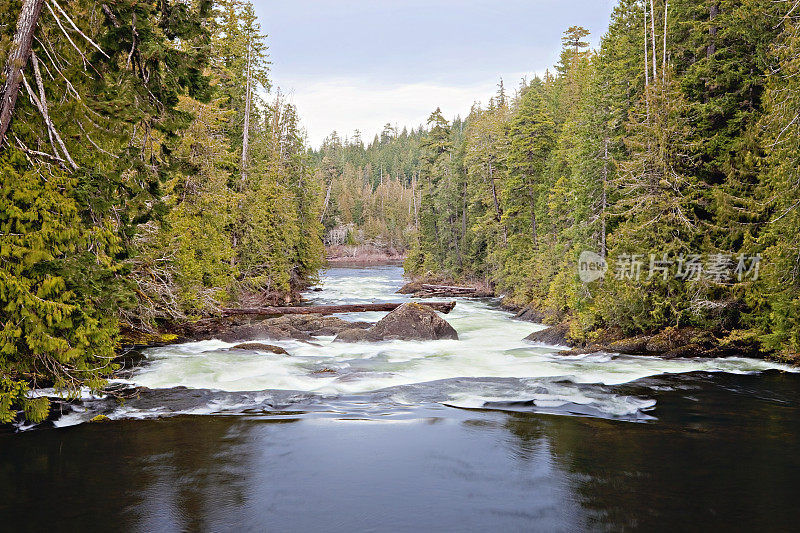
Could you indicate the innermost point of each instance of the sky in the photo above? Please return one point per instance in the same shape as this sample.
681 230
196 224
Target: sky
358 64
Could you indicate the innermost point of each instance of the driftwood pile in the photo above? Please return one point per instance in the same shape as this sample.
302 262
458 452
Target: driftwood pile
429 290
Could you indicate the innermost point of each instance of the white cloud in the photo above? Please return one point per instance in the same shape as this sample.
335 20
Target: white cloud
348 104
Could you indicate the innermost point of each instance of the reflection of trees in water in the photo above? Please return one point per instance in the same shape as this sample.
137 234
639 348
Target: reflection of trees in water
719 454
201 469
189 471
152 475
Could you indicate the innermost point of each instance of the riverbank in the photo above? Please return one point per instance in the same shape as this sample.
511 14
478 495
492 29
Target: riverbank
669 342
298 355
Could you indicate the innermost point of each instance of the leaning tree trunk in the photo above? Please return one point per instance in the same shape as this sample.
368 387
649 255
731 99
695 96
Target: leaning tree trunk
18 57
442 307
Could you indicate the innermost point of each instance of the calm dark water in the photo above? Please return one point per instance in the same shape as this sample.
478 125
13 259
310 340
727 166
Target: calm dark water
487 433
723 451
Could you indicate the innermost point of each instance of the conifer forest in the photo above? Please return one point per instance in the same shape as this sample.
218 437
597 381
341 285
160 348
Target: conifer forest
636 205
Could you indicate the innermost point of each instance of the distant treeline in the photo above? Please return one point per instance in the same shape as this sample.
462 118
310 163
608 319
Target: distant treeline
371 192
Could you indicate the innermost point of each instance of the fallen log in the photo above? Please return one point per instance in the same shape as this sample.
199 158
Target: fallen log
447 288
442 307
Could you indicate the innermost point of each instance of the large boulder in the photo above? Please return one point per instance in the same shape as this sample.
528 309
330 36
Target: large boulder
411 322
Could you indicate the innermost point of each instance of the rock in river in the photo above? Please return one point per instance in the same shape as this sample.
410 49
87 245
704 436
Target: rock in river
260 347
409 322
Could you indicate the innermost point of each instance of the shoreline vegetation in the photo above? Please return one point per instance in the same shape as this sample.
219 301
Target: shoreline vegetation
669 154
668 342
148 184
146 181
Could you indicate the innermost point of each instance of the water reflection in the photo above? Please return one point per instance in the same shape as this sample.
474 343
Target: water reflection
719 454
723 451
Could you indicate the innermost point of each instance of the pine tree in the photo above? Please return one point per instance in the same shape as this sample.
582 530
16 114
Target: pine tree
775 298
532 139
54 332
659 197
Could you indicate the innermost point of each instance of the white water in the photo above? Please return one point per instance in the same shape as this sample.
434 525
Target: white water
490 345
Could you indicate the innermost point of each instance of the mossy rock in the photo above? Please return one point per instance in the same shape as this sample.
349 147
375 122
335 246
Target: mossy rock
632 346
100 419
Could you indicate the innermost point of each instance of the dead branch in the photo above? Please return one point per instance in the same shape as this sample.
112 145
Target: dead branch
43 110
78 29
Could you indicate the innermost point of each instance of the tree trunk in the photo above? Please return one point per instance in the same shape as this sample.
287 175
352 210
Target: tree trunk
646 60
464 213
497 211
664 58
246 133
17 59
604 201
327 199
713 11
414 198
653 36
442 307
450 288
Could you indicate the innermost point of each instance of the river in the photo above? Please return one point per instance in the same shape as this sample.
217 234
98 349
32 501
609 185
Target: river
485 433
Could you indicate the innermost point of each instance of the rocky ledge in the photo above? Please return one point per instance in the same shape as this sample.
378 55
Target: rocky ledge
668 343
286 327
410 321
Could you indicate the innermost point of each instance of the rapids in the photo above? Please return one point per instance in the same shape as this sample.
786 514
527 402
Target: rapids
490 366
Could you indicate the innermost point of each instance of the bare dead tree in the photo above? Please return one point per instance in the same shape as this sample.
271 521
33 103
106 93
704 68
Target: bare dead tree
664 58
327 200
653 36
246 133
646 66
17 59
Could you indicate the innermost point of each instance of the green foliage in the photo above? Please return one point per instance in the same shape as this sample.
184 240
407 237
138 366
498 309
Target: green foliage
692 152
52 334
372 192
123 198
776 299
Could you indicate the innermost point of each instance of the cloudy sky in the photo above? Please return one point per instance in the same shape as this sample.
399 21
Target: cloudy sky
358 64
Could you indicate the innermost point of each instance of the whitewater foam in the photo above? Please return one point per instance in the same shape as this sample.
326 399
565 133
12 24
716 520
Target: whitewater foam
490 346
